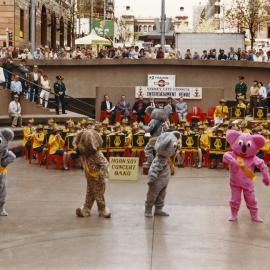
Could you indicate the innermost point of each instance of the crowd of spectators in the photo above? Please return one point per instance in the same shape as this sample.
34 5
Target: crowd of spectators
261 54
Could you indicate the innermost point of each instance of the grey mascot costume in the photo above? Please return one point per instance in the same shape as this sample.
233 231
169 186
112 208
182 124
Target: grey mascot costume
6 157
160 171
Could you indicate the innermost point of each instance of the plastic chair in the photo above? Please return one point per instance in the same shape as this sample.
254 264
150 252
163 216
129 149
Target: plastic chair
33 153
56 158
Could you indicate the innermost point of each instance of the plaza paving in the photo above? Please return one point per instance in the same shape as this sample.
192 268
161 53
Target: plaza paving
42 232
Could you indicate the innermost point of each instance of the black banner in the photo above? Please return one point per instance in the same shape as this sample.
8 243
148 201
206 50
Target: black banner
237 113
260 113
190 142
218 145
139 141
117 143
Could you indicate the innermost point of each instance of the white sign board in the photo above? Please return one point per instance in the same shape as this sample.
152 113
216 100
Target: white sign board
165 92
156 80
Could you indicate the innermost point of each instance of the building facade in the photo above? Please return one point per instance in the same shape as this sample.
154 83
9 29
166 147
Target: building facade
53 27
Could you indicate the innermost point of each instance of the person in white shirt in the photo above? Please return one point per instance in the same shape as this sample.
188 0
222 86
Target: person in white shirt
16 86
45 90
14 110
262 94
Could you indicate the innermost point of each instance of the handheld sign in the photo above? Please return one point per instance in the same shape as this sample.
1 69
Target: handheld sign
237 113
124 168
260 113
190 142
217 145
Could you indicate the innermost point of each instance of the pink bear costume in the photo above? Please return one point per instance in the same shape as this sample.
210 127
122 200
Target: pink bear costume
242 162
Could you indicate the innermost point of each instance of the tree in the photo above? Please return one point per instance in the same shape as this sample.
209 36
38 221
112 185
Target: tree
248 15
206 26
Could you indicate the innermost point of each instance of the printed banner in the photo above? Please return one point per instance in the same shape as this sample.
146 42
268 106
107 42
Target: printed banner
117 143
139 141
190 142
165 92
260 113
218 145
237 113
124 168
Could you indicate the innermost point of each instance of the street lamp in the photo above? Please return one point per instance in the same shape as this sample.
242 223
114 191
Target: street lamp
163 21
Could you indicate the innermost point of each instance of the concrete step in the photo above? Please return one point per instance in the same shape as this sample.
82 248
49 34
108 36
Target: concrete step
43 118
16 147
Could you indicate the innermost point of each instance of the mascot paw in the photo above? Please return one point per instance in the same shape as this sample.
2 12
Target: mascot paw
105 213
161 214
257 219
81 212
233 218
4 213
266 182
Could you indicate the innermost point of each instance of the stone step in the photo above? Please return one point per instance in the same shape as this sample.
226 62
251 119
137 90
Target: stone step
16 147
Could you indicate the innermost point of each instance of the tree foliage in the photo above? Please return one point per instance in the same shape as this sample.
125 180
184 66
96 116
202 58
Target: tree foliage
206 26
248 15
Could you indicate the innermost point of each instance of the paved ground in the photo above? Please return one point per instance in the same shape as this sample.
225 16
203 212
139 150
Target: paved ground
42 231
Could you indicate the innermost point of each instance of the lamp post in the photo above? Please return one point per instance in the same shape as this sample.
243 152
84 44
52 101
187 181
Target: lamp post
163 21
91 15
33 26
104 15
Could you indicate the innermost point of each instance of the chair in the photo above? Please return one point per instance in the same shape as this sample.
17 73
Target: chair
210 115
103 115
33 153
175 118
56 158
189 158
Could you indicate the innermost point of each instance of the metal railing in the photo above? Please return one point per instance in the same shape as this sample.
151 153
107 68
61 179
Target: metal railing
53 103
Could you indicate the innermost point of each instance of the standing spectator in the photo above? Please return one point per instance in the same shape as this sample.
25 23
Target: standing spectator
16 87
241 88
181 108
222 55
134 52
34 78
23 73
262 94
53 55
257 57
8 67
62 54
150 54
250 56
212 55
152 103
77 54
38 55
142 53
60 91
125 53
196 56
232 55
204 55
254 93
160 53
188 55
139 109
14 110
45 90
118 53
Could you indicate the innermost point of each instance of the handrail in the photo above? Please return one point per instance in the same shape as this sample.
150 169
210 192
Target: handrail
52 92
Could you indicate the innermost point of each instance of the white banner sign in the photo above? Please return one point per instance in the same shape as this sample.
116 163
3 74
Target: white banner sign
161 80
165 92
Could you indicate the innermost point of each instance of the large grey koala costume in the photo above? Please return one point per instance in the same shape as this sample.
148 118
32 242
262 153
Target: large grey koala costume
6 157
159 173
156 126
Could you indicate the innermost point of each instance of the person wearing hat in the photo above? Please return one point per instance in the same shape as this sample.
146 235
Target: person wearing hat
203 144
60 92
38 139
56 146
221 112
15 110
241 89
28 133
188 130
241 103
34 78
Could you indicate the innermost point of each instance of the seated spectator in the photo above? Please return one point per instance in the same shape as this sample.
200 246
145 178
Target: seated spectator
38 55
16 87
77 54
141 53
150 54
181 108
212 55
134 52
257 57
222 55
14 110
118 53
106 105
243 55
232 55
221 112
139 109
125 53
123 106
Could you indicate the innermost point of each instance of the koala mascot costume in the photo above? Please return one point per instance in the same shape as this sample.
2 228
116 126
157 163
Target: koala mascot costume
95 167
242 161
6 157
159 173
156 126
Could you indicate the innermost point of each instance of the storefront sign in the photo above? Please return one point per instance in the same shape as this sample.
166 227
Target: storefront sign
161 81
164 92
123 168
99 27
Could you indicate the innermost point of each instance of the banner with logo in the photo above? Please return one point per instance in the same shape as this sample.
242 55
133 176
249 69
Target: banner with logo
139 141
99 27
237 113
218 145
117 143
260 113
190 142
161 80
165 92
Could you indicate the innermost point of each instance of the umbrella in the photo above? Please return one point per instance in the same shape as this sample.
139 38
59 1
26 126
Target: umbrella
92 39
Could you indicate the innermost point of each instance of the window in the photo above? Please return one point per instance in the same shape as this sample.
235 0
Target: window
268 32
21 23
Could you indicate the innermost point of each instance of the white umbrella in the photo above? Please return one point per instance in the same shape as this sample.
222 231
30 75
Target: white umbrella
92 39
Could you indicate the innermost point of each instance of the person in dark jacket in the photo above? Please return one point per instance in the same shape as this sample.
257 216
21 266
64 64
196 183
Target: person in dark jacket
139 109
60 92
23 73
8 67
